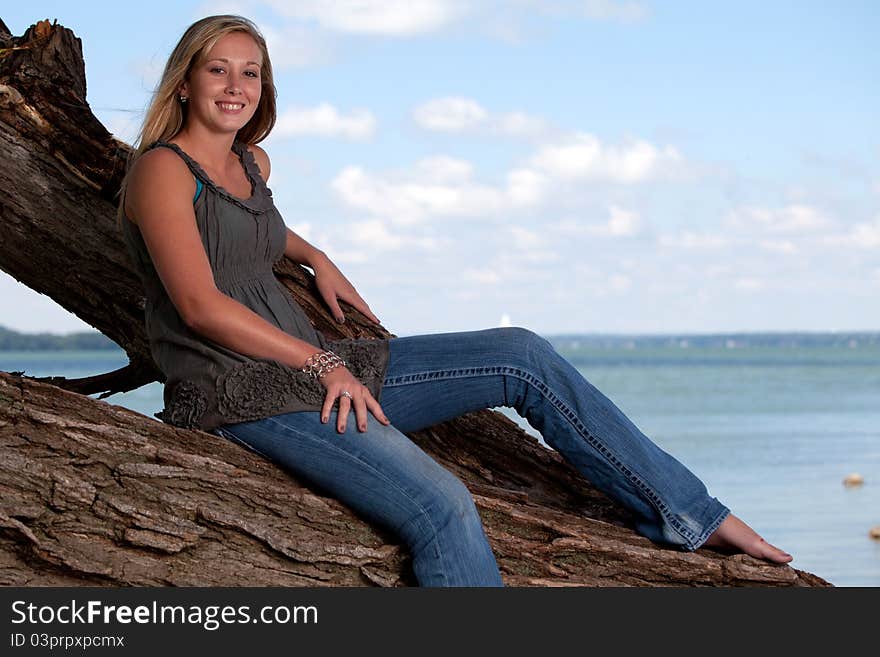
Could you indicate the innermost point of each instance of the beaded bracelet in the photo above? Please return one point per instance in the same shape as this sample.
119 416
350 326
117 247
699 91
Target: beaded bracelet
318 364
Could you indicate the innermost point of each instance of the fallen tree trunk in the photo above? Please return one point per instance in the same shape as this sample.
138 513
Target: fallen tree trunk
98 494
93 493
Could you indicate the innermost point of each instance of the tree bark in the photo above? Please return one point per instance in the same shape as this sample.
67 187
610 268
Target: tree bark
93 493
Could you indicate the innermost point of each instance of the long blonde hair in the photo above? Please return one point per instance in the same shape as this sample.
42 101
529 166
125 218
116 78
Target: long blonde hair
166 115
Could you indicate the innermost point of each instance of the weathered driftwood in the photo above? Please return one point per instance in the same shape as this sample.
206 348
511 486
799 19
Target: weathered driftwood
92 493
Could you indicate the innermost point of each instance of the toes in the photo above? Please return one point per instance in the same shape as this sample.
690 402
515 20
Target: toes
771 552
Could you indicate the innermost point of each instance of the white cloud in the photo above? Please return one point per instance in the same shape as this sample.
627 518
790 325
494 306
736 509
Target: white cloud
719 271
569 226
537 256
373 235
410 198
451 114
358 242
352 256
526 187
583 157
610 10
455 114
863 235
398 18
325 120
592 282
528 246
619 282
442 168
514 264
291 45
784 246
597 10
749 284
409 18
790 219
304 230
866 235
519 124
524 238
621 223
482 276
307 33
690 240
294 47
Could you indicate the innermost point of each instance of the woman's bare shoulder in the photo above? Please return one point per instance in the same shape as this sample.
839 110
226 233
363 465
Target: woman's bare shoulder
158 160
262 159
158 173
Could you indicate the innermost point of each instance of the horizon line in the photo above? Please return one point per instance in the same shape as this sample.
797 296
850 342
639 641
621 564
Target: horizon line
598 333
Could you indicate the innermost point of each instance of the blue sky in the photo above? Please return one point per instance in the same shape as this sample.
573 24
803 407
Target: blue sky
569 166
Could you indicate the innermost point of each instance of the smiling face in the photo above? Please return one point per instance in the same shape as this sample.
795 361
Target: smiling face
224 87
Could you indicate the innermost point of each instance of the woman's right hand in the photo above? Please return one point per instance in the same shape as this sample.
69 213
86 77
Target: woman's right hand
341 379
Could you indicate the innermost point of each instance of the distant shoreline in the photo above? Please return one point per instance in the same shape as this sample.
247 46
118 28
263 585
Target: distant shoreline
849 340
80 341
93 340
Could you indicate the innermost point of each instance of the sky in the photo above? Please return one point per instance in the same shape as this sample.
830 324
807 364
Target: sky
571 166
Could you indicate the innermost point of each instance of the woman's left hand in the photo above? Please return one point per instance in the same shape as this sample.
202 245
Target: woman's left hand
333 285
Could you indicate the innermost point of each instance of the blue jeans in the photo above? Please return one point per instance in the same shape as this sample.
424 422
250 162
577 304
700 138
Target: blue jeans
382 475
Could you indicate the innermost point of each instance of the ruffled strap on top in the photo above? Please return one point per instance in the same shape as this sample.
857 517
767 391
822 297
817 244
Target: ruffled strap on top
261 196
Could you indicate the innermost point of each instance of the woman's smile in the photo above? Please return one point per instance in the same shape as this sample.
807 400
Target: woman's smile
230 107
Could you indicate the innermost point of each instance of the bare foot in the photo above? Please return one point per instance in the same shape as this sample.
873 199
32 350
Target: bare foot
734 534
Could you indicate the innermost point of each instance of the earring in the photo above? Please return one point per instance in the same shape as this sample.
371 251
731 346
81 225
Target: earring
182 99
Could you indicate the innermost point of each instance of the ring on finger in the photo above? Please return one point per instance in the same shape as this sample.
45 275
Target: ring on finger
345 393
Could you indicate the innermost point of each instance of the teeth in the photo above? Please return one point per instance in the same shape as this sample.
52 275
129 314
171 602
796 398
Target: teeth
231 106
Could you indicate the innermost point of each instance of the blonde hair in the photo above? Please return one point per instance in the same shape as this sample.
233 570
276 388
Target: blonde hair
166 115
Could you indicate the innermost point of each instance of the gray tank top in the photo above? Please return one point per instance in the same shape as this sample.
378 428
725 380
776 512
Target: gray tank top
206 384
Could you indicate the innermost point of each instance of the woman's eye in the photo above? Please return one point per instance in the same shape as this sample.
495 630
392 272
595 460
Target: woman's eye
219 69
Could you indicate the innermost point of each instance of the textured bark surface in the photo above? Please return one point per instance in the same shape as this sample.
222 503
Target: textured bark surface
59 172
92 493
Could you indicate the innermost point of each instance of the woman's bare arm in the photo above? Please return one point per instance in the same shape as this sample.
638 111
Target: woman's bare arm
159 200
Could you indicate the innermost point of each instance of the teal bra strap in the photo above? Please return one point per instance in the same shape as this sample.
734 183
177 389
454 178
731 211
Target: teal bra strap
198 189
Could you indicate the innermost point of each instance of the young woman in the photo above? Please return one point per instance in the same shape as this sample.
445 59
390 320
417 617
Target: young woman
243 361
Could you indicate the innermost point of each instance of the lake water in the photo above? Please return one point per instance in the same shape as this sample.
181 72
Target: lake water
772 431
